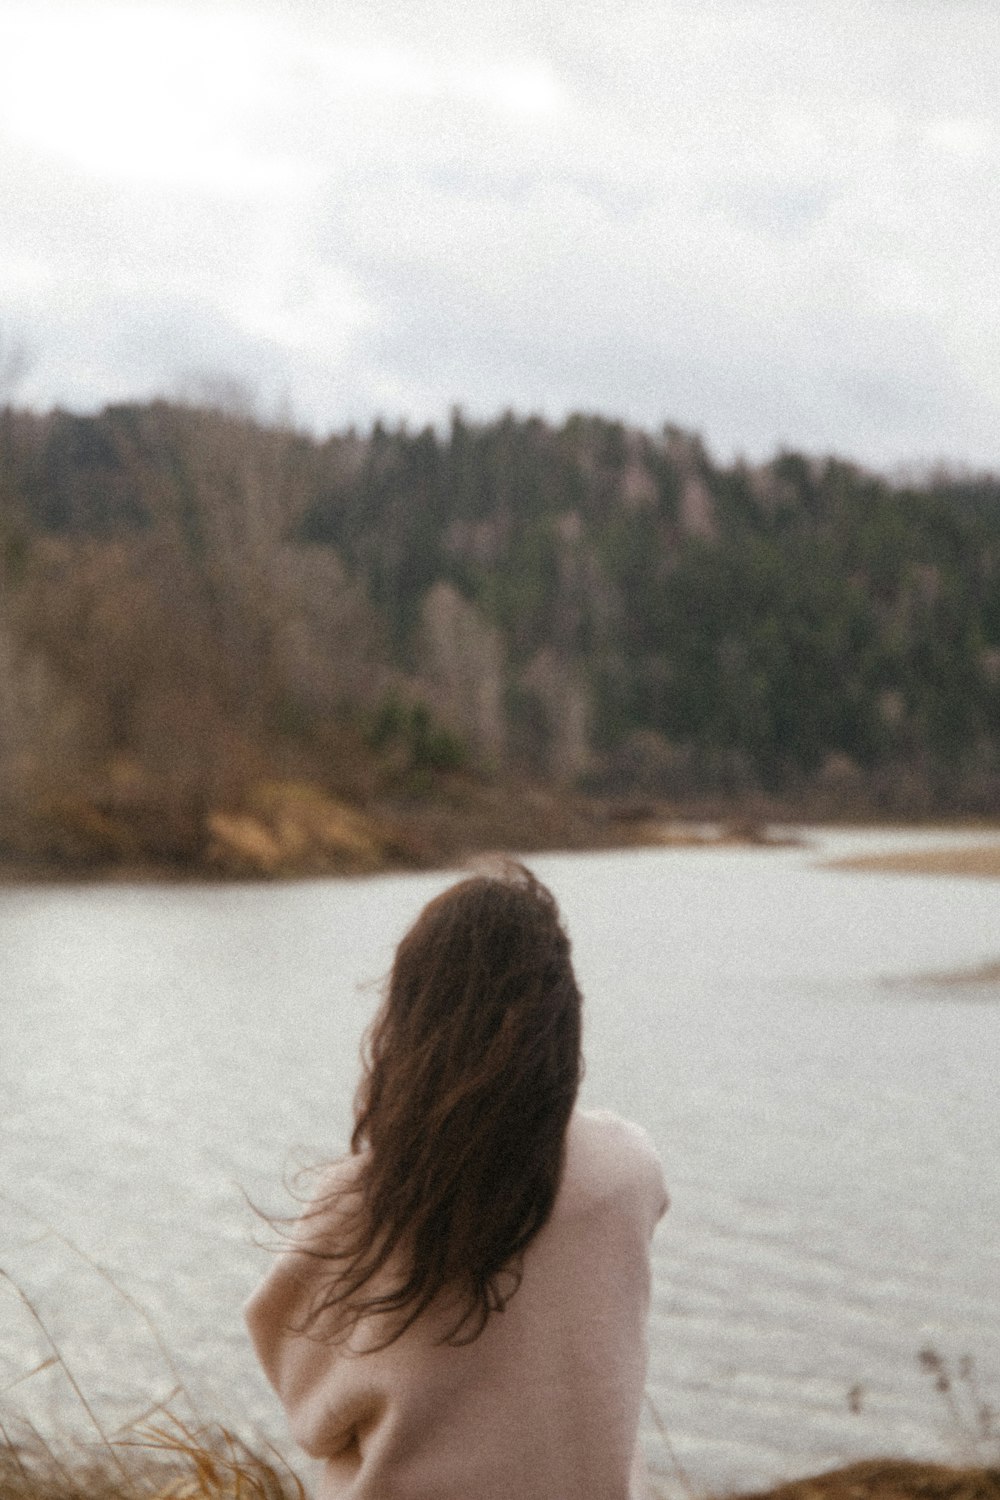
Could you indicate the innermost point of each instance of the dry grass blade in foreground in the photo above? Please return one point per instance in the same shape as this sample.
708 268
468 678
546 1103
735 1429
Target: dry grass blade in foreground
155 1457
169 1463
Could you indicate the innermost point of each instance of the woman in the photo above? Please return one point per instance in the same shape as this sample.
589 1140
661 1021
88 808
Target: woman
462 1314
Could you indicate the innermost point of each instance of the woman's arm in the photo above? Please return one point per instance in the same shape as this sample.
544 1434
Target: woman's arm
315 1379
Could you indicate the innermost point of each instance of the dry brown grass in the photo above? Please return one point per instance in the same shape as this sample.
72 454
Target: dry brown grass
975 1431
156 1456
892 1479
169 1462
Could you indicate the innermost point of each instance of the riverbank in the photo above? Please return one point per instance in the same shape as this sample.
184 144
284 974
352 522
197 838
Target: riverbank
294 829
287 829
128 830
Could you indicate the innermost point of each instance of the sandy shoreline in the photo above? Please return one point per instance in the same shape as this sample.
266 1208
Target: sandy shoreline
968 861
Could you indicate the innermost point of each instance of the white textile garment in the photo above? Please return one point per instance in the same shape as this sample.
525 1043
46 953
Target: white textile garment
544 1405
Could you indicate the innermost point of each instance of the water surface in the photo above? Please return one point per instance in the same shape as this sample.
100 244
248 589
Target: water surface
828 1122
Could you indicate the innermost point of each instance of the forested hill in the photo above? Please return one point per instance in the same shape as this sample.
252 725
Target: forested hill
193 601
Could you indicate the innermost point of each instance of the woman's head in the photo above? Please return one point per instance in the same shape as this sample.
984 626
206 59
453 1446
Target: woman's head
480 1027
471 1070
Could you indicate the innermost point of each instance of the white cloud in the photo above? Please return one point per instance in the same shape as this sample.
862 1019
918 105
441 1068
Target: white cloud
358 73
771 221
139 93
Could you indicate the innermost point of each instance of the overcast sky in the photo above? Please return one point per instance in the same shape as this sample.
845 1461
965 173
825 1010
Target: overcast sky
775 221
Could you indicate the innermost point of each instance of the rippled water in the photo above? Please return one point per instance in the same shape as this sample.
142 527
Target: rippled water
831 1139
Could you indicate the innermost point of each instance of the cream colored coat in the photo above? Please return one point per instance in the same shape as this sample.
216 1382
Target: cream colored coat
544 1405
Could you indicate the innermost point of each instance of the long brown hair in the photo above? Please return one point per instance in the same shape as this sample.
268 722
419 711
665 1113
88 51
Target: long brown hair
470 1072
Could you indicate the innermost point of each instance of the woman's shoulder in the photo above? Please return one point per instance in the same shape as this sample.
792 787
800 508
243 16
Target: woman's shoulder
602 1132
607 1126
610 1156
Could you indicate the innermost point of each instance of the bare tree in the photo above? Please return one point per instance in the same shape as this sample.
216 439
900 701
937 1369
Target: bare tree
462 665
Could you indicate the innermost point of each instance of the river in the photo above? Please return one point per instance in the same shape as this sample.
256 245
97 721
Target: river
828 1119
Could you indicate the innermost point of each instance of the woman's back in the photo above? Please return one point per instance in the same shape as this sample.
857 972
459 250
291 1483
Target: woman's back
463 1314
543 1405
